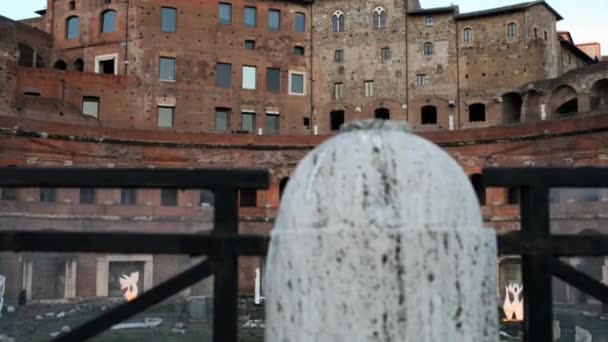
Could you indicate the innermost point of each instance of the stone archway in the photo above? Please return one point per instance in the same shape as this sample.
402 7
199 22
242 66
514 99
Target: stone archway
599 96
564 101
511 107
382 114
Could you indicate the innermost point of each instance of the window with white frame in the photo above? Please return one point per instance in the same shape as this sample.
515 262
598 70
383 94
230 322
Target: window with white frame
379 18
421 80
429 21
249 77
338 90
337 21
368 88
107 64
297 83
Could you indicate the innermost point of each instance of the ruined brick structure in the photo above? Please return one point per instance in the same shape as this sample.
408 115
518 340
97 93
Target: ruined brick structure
176 83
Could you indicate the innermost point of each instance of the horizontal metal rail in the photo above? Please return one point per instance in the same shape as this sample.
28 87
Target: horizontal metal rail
556 245
548 177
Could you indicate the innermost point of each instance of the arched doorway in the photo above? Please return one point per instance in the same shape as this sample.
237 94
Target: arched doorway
511 107
478 186
79 65
428 115
533 105
564 101
382 114
60 65
477 112
599 95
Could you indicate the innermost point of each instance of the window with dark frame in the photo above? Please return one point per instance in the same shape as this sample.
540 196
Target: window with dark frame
72 27
128 196
338 56
274 20
207 198
298 50
108 21
385 54
48 195
168 197
168 19
90 106
167 69
296 84
248 122
251 16
428 49
336 119
165 116
300 22
223 75
272 124
477 112
87 195
428 115
8 194
273 79
421 80
337 22
72 5
224 15
222 119
249 44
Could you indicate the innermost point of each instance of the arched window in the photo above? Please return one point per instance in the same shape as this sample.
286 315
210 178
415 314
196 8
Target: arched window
108 21
467 35
72 27
477 112
428 49
379 18
60 65
337 21
382 114
79 65
429 21
428 115
512 31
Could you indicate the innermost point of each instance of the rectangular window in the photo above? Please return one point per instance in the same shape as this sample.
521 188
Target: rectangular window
72 5
273 79
272 124
8 194
87 196
225 13
300 22
222 119
207 198
274 20
90 106
251 15
250 44
421 80
248 198
249 77
296 83
128 196
369 88
223 75
338 56
168 19
168 197
298 50
167 69
385 54
48 195
106 65
165 117
248 122
338 90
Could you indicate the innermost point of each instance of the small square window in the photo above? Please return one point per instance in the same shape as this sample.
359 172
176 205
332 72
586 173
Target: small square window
300 22
429 21
248 122
250 44
338 56
222 119
90 106
168 19
272 124
8 194
298 50
273 79
48 195
338 90
296 83
224 13
274 20
224 75
167 69
165 117
72 5
369 88
168 197
87 196
385 54
128 196
251 14
249 77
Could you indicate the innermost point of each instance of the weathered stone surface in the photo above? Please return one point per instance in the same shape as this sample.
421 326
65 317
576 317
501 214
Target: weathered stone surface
380 238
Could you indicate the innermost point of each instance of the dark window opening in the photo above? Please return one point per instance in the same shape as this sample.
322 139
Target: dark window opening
60 65
223 76
599 96
298 50
31 93
282 186
336 118
513 196
382 114
48 195
72 5
26 55
248 198
273 79
168 197
479 187
272 124
428 49
306 122
79 65
222 119
477 112
107 66
87 195
248 122
8 194
128 196
207 198
511 107
567 109
428 115
250 44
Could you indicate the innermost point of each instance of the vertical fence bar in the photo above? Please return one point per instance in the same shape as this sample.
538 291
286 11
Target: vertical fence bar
536 271
225 286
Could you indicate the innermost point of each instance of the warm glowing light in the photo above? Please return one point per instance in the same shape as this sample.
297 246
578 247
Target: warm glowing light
514 303
129 285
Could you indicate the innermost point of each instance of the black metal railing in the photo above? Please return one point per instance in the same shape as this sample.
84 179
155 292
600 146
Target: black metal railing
223 245
540 250
534 242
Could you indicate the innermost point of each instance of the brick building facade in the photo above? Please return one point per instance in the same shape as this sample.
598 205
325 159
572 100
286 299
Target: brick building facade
175 83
